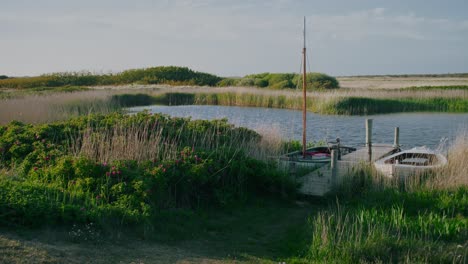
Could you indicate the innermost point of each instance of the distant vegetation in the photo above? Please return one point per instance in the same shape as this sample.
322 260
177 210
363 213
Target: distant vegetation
2 77
156 75
315 81
427 88
442 75
173 76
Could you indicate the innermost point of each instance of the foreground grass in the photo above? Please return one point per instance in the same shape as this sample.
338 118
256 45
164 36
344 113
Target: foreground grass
368 219
389 226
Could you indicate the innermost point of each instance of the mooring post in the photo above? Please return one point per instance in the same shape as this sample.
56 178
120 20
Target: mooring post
396 140
292 170
334 166
369 138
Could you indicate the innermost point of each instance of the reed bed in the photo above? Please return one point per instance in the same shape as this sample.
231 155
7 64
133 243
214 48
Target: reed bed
145 141
46 107
377 219
348 103
53 107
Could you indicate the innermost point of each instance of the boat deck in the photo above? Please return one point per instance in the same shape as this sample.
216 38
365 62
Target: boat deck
320 181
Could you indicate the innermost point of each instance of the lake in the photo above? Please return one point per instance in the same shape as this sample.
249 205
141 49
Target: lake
416 129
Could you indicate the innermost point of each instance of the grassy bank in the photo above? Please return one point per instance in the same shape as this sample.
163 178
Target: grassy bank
125 168
48 106
91 188
318 103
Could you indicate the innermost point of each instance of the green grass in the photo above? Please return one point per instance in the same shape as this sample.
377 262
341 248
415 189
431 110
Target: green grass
115 181
390 225
124 168
338 105
9 94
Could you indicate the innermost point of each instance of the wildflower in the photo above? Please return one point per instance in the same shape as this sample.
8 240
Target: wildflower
43 140
104 164
98 197
37 136
107 174
35 168
118 172
164 169
47 158
113 172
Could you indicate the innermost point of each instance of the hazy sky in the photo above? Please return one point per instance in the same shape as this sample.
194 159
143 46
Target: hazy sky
234 38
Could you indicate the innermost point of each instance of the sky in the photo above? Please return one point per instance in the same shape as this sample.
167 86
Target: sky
234 38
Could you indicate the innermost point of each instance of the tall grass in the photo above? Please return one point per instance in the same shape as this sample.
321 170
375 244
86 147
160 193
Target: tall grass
377 219
53 107
145 141
327 102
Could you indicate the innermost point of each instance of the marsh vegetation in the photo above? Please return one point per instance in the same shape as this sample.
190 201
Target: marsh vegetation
81 181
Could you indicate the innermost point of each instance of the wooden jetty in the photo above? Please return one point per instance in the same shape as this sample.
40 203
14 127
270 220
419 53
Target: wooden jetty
322 180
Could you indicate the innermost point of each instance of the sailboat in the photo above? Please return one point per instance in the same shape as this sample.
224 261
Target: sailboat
313 155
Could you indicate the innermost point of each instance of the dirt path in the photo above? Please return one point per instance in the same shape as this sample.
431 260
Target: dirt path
264 233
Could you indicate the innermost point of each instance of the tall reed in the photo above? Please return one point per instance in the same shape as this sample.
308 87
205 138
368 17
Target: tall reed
147 141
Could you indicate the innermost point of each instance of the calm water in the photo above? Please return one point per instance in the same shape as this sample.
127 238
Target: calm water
416 129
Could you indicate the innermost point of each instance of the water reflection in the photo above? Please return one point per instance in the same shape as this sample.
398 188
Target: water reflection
416 129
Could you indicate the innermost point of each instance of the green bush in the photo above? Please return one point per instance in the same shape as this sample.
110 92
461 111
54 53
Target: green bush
51 186
261 83
246 82
227 82
156 75
318 81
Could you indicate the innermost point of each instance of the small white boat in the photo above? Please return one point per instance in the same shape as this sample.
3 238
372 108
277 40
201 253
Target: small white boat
410 162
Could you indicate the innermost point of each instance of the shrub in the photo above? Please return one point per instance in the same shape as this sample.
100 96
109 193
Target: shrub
155 75
318 81
66 174
261 83
227 82
246 82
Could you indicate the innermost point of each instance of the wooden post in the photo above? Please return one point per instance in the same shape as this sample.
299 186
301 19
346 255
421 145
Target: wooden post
292 170
369 138
304 96
334 166
396 140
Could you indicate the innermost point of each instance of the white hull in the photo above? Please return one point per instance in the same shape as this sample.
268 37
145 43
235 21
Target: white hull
406 163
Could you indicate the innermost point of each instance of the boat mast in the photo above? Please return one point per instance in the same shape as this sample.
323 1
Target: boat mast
304 94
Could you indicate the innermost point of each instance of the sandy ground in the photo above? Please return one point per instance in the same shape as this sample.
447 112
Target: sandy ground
398 82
